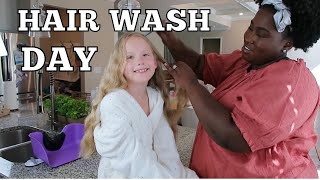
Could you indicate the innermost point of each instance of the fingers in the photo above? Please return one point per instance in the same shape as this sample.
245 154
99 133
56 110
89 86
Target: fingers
164 22
162 35
180 63
171 70
174 66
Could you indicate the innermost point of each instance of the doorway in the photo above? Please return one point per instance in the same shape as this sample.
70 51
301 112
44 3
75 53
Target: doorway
210 44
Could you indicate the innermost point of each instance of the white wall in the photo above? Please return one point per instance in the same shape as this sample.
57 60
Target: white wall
157 42
232 39
311 57
104 39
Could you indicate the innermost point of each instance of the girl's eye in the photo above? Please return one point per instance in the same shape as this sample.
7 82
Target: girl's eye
146 55
129 57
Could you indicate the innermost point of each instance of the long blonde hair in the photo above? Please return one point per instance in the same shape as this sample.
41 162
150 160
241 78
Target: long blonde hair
113 77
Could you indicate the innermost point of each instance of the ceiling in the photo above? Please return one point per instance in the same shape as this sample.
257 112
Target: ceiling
223 12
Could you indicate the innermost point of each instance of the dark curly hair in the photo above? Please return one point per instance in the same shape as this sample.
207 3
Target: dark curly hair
305 22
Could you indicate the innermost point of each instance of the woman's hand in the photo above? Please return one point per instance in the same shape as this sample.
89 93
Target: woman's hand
183 74
168 38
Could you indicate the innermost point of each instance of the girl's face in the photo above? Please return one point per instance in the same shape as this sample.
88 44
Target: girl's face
141 63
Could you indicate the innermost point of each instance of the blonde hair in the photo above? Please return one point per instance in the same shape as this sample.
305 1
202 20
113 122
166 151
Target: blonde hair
113 77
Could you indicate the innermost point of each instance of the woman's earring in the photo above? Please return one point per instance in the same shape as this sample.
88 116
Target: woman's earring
284 50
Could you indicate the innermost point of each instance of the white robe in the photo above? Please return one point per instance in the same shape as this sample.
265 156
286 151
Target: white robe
134 145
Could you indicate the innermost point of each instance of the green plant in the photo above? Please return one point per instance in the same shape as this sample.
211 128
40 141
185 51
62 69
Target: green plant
69 107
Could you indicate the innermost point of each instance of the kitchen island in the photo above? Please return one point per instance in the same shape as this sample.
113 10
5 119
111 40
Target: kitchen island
81 168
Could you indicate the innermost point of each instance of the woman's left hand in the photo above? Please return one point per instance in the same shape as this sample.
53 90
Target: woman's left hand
183 74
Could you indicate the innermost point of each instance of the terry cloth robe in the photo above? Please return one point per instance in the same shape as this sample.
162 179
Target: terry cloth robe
134 145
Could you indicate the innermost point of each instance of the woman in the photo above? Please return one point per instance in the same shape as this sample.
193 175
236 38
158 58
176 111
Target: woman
259 121
130 117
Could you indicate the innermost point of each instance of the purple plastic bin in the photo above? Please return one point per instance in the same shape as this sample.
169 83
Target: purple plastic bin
68 152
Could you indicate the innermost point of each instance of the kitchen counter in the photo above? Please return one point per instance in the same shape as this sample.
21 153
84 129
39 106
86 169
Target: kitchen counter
25 116
81 168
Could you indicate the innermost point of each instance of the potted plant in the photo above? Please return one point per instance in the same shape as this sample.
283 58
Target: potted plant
69 109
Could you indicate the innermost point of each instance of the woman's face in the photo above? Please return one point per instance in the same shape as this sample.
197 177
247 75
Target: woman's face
262 42
141 62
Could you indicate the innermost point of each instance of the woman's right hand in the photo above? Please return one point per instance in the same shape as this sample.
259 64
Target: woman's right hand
180 51
167 37
182 74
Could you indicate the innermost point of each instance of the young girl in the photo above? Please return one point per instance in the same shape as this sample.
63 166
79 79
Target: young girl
128 124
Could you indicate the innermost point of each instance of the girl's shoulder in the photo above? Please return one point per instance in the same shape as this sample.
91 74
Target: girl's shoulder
115 97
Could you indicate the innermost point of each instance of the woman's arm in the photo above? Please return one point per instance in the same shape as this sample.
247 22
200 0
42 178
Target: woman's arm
181 52
216 120
213 116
